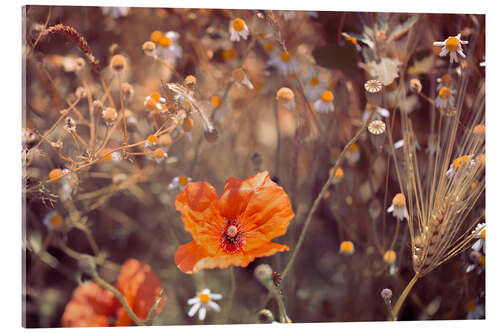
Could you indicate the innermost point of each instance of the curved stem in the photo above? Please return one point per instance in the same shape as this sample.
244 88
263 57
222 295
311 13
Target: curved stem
231 294
403 296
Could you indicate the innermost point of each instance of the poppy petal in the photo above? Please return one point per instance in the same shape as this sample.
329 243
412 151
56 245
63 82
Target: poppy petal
196 203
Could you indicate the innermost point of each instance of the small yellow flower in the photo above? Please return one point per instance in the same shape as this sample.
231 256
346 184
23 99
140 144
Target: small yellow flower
346 248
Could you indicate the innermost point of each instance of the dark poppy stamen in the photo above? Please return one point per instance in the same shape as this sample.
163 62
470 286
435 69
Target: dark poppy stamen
232 236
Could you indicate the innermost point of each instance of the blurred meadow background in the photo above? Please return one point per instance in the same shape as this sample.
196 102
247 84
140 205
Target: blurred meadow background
370 127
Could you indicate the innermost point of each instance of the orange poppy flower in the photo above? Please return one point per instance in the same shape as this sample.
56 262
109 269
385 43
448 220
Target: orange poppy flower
140 287
90 306
235 227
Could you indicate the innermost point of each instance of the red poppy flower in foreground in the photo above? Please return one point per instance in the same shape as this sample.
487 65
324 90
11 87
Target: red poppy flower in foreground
91 305
235 227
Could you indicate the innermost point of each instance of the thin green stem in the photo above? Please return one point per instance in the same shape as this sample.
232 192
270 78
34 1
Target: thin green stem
231 294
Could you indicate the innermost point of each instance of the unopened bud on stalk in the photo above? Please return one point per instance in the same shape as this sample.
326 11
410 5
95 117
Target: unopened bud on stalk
87 265
127 90
377 131
97 105
265 316
190 81
373 90
386 295
118 62
263 273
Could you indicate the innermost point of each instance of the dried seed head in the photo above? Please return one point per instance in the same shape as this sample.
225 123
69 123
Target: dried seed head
190 81
58 145
399 200
285 95
276 279
109 115
376 127
127 90
81 93
149 48
265 316
69 125
97 105
118 62
263 273
211 135
415 85
373 89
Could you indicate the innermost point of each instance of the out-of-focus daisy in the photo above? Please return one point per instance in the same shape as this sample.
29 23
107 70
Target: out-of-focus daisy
108 156
452 45
179 182
474 259
479 245
380 112
240 78
346 248
238 29
154 102
339 174
325 103
445 98
400 144
284 63
53 220
167 46
314 86
159 155
459 163
390 259
398 207
444 81
115 12
474 311
353 153
203 302
151 141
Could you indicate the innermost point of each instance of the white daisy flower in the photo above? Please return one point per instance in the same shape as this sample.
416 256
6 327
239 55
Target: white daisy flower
325 103
452 45
400 144
459 163
202 302
284 63
179 182
240 78
314 86
154 102
286 97
159 155
347 248
479 245
167 44
445 98
398 207
53 220
474 311
380 112
238 29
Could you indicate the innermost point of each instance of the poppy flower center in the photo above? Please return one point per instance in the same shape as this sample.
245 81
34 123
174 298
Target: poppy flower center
452 44
232 236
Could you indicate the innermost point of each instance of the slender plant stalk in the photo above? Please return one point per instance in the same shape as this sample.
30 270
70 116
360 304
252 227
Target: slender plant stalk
403 296
231 295
120 297
316 202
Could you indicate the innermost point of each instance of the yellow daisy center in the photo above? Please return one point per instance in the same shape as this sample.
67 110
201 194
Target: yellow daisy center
165 41
183 180
285 56
152 139
56 220
452 44
159 153
346 247
314 81
204 298
470 306
354 147
269 46
55 173
327 96
155 96
106 154
238 24
444 93
399 200
228 54
156 36
483 234
457 163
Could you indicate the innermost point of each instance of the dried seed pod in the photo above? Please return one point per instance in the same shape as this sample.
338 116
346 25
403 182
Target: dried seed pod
373 90
377 131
